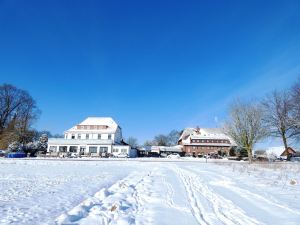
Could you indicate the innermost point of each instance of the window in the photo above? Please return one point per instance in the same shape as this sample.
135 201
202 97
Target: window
124 150
79 136
73 148
99 136
103 149
63 148
82 150
115 150
73 136
109 137
93 149
87 136
52 148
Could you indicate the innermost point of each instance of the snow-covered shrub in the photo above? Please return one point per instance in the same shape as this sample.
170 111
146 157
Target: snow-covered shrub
15 147
37 146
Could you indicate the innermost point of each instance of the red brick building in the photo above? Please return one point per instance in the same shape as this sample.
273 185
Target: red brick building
204 141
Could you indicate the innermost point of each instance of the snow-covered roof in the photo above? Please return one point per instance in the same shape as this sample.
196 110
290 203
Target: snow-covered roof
275 150
203 133
108 125
99 121
177 148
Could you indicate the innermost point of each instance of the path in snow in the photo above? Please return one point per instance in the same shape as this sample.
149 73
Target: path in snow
144 197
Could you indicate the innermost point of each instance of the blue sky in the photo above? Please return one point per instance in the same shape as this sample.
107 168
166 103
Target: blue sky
154 66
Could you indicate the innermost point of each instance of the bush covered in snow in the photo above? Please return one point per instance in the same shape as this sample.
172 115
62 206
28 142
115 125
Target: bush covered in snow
30 148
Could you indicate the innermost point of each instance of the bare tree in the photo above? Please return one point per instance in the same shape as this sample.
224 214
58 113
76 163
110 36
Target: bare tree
17 112
245 125
277 108
161 140
295 93
149 143
133 142
173 137
165 140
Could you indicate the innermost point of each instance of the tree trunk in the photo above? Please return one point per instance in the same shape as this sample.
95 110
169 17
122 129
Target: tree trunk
249 150
285 146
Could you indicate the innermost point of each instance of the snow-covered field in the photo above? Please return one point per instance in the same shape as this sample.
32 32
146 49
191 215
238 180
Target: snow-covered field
148 192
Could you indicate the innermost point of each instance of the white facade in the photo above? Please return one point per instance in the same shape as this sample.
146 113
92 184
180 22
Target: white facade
95 136
121 149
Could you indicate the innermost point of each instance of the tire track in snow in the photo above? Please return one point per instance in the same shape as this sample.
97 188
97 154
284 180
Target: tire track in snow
207 206
265 203
196 206
170 196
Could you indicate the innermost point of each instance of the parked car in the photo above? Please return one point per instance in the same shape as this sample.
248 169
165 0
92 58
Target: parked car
122 155
2 153
173 156
163 155
189 155
74 155
206 156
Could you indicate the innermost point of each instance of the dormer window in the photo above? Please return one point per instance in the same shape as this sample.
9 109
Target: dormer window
109 137
73 136
99 136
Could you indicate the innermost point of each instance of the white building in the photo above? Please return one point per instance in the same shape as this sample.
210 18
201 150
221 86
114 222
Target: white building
95 136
